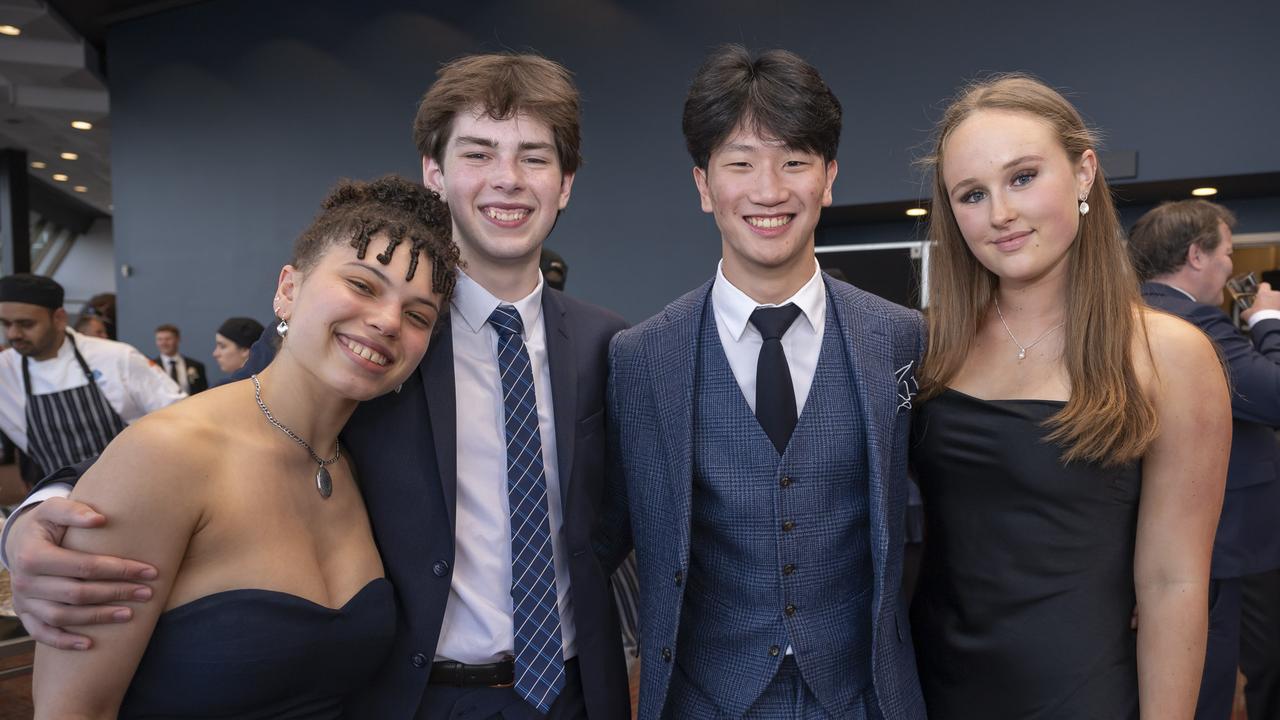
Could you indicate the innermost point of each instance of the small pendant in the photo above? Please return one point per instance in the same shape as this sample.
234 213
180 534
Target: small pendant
324 483
1022 354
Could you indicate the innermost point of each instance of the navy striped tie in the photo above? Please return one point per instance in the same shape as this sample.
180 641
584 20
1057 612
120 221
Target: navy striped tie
535 615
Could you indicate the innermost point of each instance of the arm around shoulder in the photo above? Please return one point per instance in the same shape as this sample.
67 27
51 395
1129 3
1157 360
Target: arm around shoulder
149 491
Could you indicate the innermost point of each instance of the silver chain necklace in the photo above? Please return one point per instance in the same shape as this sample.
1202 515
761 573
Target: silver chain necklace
324 483
1022 349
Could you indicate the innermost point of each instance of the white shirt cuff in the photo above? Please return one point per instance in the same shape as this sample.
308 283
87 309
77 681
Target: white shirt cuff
53 490
1263 315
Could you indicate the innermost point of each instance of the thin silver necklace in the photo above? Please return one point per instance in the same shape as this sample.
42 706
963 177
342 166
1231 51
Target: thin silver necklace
324 483
1022 349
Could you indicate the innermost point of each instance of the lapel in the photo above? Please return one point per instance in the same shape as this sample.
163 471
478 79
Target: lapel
442 408
869 346
564 384
673 349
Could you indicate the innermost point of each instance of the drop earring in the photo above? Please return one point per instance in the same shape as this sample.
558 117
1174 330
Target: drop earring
1084 207
283 328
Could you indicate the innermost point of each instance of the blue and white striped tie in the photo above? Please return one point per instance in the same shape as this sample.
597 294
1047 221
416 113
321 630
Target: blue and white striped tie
539 664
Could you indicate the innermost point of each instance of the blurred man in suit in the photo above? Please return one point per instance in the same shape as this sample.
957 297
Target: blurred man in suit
187 372
1182 251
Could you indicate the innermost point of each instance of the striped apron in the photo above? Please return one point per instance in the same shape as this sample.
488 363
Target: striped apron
66 427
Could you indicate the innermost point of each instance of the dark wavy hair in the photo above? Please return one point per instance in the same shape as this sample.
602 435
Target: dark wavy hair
405 211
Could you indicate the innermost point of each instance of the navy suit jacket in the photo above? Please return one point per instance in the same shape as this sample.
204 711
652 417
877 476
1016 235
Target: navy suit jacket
405 449
652 374
198 380
1248 539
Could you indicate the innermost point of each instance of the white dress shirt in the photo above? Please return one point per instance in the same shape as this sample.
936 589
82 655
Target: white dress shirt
180 370
478 615
801 343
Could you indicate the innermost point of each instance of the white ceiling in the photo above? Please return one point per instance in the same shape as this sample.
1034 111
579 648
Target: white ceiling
49 76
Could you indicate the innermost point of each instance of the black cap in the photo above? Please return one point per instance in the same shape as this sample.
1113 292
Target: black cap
242 331
32 290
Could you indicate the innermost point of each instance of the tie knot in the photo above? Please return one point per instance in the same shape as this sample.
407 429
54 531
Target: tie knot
772 322
506 320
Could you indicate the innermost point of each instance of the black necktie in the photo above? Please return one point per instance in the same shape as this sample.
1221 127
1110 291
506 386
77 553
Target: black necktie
173 369
775 396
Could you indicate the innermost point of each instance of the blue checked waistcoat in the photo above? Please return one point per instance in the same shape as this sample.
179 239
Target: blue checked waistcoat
741 607
649 499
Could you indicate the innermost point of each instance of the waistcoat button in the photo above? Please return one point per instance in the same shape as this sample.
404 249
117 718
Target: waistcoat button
418 660
789 609
666 654
440 568
788 526
774 650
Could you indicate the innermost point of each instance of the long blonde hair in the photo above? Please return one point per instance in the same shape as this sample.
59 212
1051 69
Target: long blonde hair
1109 419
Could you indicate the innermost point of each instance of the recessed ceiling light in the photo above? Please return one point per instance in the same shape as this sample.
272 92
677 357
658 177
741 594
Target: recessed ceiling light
1205 191
39 164
59 177
69 156
82 124
10 30
80 188
917 212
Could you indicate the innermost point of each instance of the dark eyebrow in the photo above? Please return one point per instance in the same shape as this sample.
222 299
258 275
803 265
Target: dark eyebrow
740 147
1006 166
383 277
536 146
472 140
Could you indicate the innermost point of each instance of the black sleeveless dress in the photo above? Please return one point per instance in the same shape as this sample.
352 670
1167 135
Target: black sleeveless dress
262 654
1026 587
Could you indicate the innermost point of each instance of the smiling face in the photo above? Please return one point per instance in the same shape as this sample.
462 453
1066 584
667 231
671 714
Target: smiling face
358 325
167 343
766 199
504 186
1015 193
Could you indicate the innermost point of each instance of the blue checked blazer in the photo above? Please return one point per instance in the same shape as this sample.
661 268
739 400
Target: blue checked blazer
649 492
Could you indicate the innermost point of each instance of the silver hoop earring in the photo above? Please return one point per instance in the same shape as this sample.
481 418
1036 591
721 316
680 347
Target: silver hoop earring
1084 208
283 328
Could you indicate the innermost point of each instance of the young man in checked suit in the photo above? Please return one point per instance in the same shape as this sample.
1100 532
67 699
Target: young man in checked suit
760 426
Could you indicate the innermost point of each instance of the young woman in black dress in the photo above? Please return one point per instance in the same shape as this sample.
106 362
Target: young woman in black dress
270 600
1071 445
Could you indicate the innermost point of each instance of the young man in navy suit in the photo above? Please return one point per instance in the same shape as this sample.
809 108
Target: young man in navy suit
483 474
1182 251
761 427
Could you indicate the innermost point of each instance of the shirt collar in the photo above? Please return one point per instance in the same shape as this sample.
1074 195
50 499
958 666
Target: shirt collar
473 304
735 307
1184 292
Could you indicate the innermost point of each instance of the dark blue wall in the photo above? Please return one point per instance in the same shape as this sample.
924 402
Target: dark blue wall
230 118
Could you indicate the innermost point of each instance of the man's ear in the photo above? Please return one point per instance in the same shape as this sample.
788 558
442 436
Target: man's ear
704 191
1196 257
433 175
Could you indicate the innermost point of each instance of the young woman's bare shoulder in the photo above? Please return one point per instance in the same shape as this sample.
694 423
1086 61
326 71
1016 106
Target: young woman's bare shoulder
1175 350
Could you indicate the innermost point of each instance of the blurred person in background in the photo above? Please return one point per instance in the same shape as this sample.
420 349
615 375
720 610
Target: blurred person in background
232 342
102 306
1182 251
93 326
187 372
63 395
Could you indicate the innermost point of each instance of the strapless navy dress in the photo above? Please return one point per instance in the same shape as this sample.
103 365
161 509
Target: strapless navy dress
262 654
1026 588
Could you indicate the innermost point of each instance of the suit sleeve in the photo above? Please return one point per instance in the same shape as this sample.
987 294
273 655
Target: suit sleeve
613 526
260 356
1253 365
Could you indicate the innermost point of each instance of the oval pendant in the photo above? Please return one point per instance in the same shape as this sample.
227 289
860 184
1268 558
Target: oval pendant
324 483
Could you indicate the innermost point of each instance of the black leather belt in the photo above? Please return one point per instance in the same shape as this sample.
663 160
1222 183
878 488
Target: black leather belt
498 674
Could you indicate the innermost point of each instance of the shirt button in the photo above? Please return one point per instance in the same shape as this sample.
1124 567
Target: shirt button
788 569
774 650
789 609
679 577
666 654
419 660
440 568
788 526
786 481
